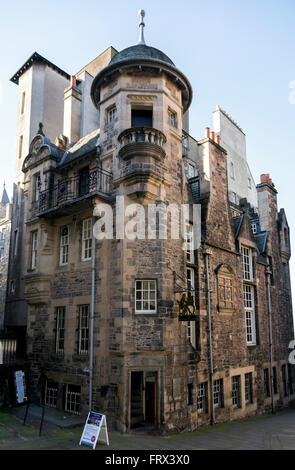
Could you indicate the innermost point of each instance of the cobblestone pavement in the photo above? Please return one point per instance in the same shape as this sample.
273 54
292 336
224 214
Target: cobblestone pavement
261 433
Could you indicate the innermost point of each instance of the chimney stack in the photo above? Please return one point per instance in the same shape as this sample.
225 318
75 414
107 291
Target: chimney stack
72 111
207 132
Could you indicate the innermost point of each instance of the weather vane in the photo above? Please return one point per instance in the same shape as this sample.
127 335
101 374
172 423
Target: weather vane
141 15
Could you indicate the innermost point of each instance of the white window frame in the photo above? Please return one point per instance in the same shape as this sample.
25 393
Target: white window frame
72 398
249 388
254 227
146 294
232 170
87 239
112 114
190 255
191 325
247 263
249 305
36 186
202 392
236 391
34 249
64 247
60 326
191 171
84 314
218 393
51 396
172 118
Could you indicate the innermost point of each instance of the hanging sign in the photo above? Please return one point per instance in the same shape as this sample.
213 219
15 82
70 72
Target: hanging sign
187 308
20 387
95 430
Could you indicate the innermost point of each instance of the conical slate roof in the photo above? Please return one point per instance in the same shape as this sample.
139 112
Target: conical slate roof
141 51
5 198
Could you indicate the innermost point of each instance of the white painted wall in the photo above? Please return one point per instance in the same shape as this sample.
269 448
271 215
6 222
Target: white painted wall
233 140
90 119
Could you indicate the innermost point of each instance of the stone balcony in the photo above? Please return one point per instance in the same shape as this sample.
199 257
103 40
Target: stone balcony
142 157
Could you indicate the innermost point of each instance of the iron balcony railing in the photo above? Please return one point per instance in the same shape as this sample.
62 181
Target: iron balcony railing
72 189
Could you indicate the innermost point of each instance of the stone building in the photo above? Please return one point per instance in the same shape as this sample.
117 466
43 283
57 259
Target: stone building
5 225
180 337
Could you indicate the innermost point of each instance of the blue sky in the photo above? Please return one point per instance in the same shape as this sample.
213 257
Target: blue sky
236 53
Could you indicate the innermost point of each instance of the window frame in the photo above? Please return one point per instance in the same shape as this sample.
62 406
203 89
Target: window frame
218 393
148 299
87 242
60 327
202 398
34 249
112 114
248 274
82 337
172 118
249 388
236 392
64 246
250 314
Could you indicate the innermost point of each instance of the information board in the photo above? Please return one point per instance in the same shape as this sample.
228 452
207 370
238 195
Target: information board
95 430
20 387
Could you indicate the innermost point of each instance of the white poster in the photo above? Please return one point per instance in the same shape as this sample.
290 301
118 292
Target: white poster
95 430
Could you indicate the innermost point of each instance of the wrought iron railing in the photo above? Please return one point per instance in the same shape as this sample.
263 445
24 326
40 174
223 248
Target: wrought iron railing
68 190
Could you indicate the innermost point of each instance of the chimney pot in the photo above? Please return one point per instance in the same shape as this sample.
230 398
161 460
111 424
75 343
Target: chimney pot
73 80
213 135
207 132
218 139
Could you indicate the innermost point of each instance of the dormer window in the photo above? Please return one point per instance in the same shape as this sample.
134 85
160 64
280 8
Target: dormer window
254 228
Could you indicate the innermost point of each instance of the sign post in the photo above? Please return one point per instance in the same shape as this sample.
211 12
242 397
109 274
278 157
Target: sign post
20 387
95 430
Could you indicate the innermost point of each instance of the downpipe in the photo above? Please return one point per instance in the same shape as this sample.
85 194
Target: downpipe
207 253
268 274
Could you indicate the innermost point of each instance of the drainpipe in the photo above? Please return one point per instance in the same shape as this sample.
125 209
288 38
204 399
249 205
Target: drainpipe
92 316
268 274
207 253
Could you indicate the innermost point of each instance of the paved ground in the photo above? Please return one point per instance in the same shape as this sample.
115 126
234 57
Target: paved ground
262 433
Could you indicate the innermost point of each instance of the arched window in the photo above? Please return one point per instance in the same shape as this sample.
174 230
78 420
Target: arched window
225 279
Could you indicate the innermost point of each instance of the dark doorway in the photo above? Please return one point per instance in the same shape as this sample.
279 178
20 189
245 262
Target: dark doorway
141 118
143 399
84 181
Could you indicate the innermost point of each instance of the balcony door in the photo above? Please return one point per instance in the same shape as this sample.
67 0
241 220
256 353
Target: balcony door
141 118
83 181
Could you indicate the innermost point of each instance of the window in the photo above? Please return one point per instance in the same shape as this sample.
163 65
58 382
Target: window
83 329
36 187
191 325
284 377
218 393
12 287
254 227
202 397
145 296
266 383
34 242
142 118
64 246
20 146
87 239
190 258
23 102
73 399
249 183
247 263
249 314
172 118
15 242
225 288
190 389
236 391
232 170
248 388
51 394
60 330
191 171
290 379
112 114
275 380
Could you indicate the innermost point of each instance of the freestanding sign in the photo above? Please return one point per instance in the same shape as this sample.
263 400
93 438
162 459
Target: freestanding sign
20 387
95 430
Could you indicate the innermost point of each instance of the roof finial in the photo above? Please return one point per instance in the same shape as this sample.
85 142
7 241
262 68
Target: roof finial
141 15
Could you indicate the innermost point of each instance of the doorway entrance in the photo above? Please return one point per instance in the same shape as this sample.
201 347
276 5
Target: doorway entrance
143 399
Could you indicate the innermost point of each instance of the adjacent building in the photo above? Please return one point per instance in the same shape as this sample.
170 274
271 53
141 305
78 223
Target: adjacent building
5 226
180 337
